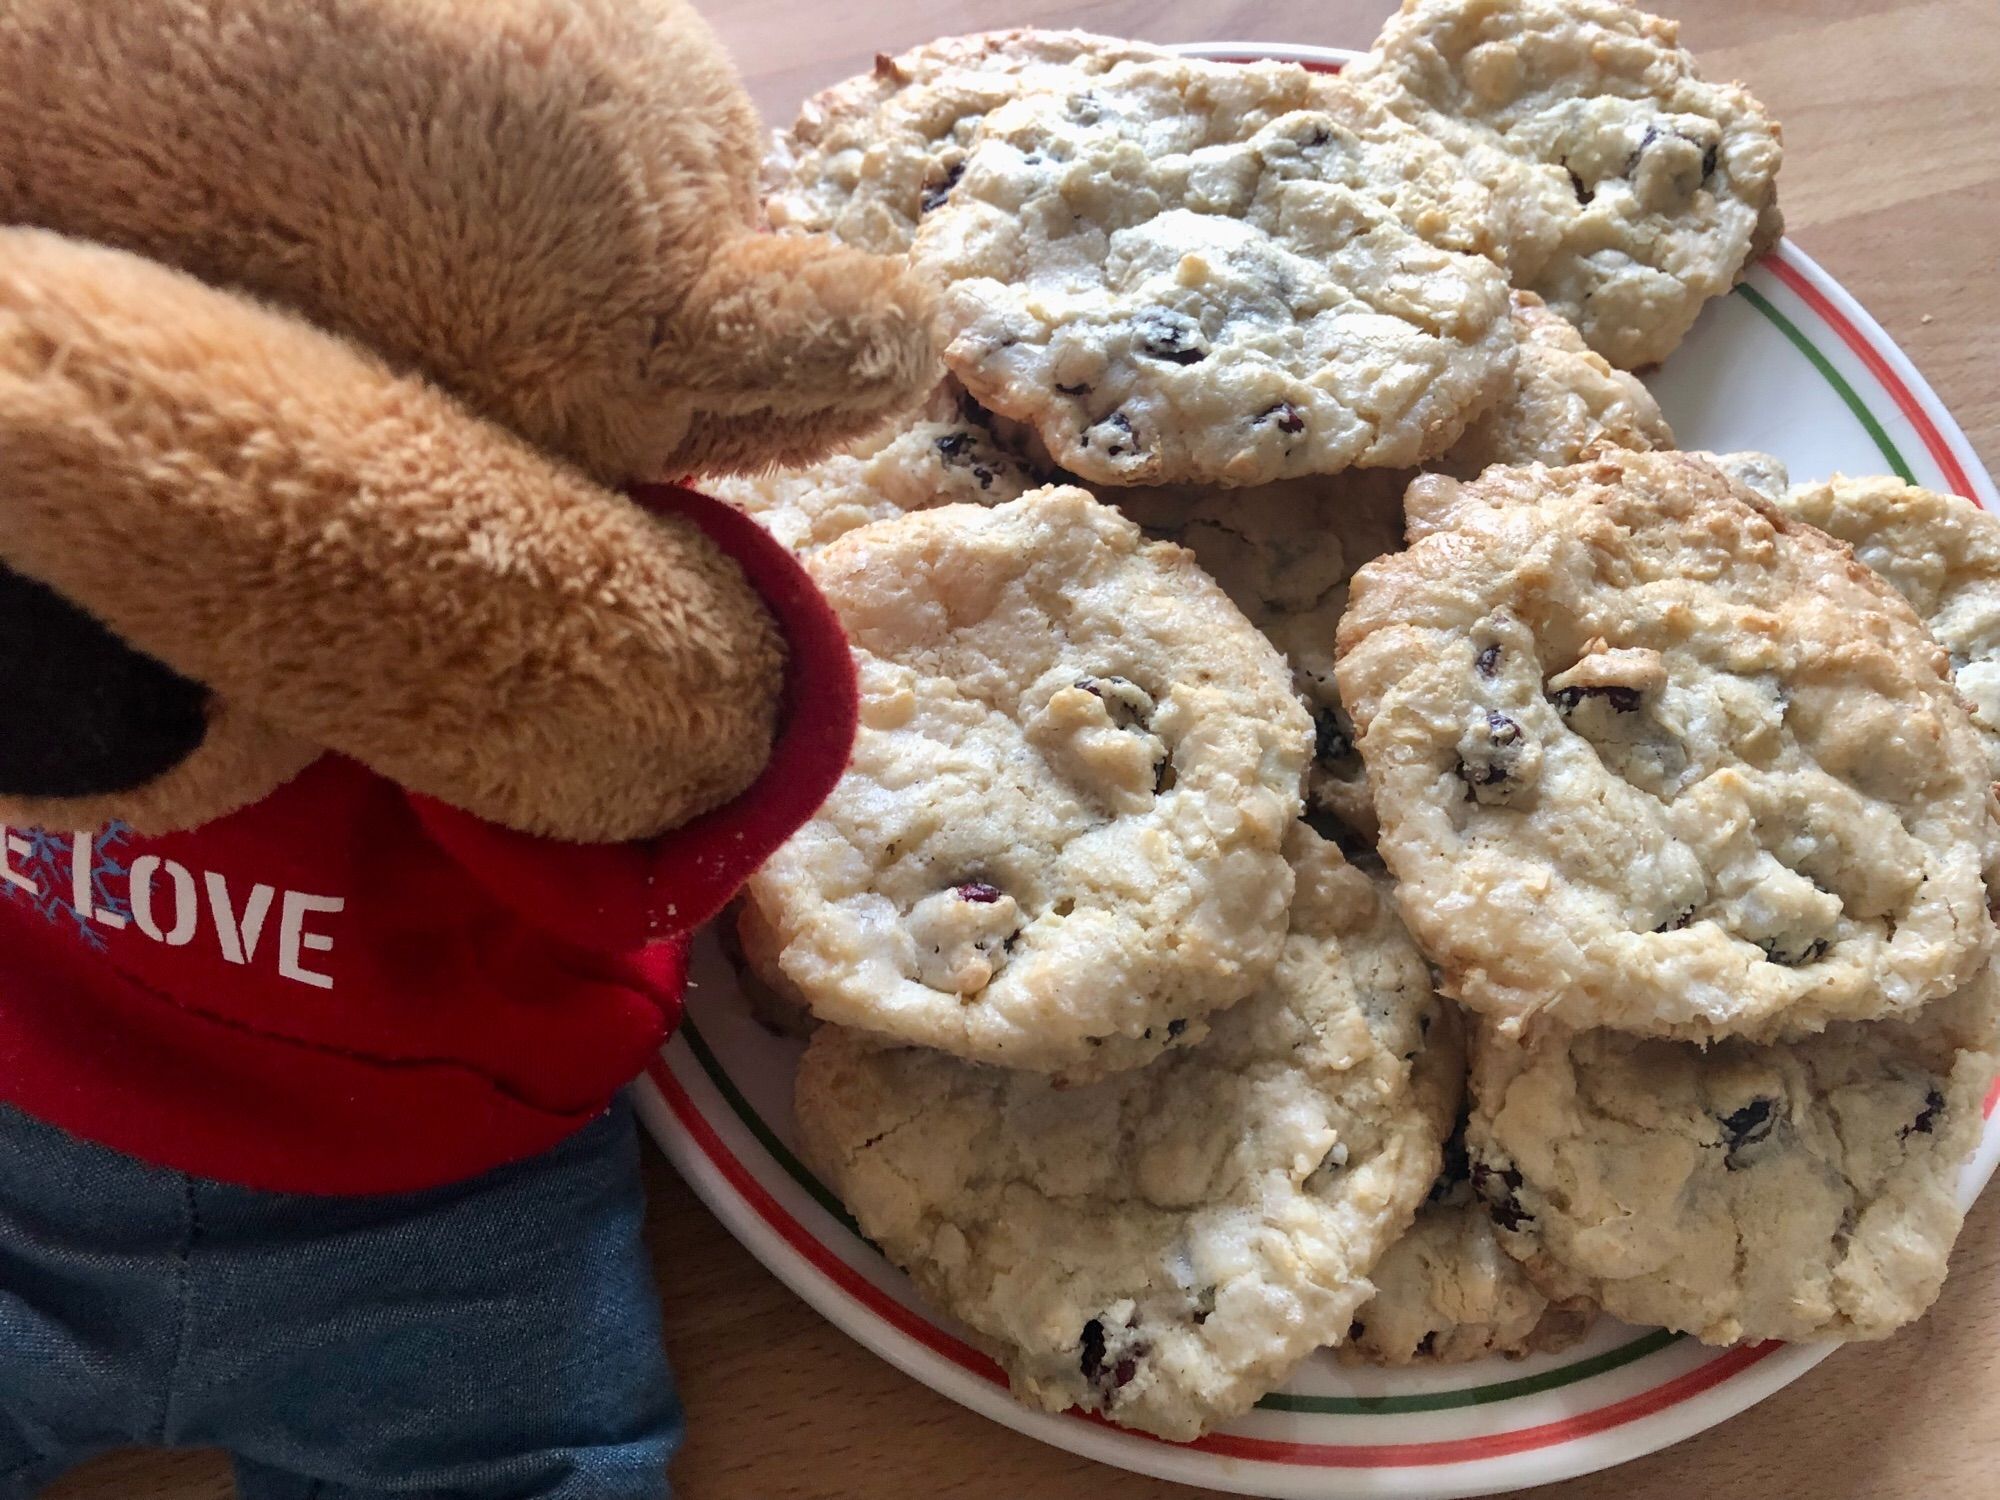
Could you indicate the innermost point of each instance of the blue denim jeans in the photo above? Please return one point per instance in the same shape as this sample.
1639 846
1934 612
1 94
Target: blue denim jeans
495 1340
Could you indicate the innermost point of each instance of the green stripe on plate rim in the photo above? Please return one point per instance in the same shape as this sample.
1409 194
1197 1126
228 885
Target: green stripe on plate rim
1833 377
1478 1395
1484 1395
766 1137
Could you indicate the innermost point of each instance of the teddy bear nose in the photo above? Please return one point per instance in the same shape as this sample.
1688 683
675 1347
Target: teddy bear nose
81 713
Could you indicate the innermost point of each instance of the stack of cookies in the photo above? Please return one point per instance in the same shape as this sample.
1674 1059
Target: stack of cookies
1354 841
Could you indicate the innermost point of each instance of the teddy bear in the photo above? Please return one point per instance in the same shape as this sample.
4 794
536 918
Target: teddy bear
381 711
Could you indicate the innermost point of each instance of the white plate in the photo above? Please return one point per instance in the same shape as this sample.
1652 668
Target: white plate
1789 364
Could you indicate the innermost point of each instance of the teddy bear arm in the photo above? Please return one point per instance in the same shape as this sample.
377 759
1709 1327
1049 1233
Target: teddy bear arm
545 206
789 345
351 557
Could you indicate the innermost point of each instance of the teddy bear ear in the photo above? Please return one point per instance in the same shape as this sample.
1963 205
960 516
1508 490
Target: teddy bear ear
791 345
342 553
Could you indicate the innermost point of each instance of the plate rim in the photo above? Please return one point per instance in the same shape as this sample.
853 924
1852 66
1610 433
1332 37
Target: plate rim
1723 1386
1705 1396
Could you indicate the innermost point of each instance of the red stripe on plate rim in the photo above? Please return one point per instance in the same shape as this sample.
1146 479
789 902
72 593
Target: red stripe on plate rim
1823 307
1223 1445
795 1234
1800 283
1682 1388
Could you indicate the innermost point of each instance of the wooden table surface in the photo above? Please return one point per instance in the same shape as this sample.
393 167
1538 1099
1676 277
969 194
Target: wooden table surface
1892 181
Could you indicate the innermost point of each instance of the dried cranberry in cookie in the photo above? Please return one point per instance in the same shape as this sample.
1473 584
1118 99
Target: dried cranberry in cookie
1060 843
1628 190
1216 273
1284 553
1738 1191
1166 1245
946 453
1647 755
1447 1293
869 159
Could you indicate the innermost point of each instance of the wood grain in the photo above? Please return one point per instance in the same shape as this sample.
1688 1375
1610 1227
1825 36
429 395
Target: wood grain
1892 181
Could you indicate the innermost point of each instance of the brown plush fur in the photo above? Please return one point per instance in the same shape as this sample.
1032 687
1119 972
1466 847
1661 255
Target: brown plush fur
354 558
860 367
548 206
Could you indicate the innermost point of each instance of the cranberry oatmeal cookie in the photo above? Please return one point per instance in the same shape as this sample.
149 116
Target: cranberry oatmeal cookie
1566 402
1649 755
946 455
1446 1293
1284 553
751 949
1060 843
1164 1246
1806 1191
869 158
1629 189
1218 273
1942 553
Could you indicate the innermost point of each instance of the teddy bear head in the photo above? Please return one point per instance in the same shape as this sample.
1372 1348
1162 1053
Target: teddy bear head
330 339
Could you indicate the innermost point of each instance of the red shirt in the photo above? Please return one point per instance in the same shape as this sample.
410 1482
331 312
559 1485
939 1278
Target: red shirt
349 989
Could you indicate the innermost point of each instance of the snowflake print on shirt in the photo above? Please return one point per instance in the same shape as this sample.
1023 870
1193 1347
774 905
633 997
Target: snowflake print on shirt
42 870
